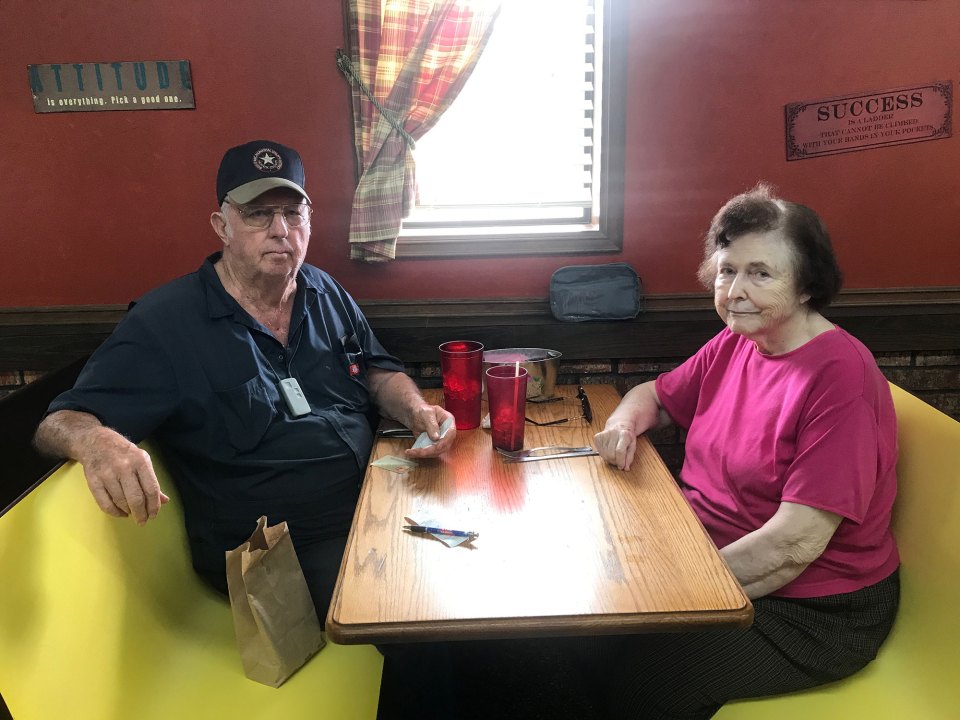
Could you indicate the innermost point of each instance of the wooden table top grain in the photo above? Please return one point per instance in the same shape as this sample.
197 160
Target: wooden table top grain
569 546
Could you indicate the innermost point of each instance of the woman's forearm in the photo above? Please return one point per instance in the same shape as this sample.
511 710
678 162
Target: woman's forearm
774 554
758 569
640 410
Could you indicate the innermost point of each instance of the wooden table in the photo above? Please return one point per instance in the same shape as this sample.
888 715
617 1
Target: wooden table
567 547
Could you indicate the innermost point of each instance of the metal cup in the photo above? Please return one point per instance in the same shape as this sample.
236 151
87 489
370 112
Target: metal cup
541 366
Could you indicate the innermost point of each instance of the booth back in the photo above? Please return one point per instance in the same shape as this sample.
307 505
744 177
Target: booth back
103 620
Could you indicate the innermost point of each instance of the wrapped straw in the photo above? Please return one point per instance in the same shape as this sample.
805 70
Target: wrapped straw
516 402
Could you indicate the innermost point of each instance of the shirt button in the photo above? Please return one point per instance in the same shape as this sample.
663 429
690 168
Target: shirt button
281 357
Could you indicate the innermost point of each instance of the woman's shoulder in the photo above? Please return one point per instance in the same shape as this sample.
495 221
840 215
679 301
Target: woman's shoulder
841 366
840 350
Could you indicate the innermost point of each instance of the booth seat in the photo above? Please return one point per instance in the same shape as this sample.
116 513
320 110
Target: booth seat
917 672
101 619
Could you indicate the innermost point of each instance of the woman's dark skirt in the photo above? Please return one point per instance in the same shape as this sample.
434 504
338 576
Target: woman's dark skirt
793 644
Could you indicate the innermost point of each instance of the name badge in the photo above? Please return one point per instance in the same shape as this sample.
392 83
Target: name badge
293 396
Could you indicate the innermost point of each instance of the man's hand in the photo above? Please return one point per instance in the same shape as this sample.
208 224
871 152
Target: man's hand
616 444
119 474
121 478
397 397
428 419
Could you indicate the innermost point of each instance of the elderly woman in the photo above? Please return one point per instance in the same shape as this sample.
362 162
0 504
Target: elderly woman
790 465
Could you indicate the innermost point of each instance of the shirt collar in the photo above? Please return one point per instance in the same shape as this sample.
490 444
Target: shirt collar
221 304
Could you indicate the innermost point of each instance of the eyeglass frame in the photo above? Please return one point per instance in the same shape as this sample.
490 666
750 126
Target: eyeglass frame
584 406
242 212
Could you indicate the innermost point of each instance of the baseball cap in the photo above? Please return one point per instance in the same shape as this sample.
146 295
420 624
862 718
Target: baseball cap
251 169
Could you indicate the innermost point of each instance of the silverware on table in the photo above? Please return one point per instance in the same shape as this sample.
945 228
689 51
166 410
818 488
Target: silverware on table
546 452
396 432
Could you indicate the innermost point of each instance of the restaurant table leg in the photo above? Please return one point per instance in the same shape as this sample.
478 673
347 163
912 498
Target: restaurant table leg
479 680
417 682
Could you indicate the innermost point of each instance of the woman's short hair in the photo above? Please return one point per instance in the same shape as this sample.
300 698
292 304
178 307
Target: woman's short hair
816 271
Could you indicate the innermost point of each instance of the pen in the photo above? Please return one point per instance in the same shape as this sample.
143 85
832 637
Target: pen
441 531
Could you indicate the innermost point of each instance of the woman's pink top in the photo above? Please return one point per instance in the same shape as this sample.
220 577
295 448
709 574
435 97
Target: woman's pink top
814 426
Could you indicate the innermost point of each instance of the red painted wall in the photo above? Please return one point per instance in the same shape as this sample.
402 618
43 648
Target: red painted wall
99 207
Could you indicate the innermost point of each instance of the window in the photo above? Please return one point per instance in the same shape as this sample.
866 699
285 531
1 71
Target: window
529 157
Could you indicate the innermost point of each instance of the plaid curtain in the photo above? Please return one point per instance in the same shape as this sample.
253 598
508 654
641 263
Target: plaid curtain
413 56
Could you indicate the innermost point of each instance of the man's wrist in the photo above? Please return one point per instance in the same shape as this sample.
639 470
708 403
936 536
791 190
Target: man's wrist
416 405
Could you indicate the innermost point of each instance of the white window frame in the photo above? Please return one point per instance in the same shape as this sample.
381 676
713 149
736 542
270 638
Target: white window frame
600 234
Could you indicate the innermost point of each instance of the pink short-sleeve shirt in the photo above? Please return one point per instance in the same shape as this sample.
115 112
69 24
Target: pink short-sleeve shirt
815 426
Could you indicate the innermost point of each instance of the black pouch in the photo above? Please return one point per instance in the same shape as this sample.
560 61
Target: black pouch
595 292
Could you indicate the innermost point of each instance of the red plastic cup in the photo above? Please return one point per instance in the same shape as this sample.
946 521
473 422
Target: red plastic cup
461 365
507 399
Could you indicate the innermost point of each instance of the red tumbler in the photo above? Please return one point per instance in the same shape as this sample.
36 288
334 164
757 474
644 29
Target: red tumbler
461 364
507 399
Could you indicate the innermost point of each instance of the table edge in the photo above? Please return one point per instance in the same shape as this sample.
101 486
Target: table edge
558 626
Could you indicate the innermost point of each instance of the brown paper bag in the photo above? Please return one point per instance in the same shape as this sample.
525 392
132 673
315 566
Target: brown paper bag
274 618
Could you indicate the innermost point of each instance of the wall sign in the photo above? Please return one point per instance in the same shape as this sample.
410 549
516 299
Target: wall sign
860 122
136 85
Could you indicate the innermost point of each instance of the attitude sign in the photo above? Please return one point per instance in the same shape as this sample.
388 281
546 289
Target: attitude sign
96 86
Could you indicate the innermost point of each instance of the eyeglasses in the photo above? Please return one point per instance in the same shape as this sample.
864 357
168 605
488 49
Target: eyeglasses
261 216
587 413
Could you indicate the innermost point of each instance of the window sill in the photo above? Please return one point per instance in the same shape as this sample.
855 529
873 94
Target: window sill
488 243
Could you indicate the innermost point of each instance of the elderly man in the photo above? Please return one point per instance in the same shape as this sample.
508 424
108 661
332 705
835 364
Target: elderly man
254 375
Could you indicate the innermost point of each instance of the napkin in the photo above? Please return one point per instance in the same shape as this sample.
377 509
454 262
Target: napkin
424 439
394 463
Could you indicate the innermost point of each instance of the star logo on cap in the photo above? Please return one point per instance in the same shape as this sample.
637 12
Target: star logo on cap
267 160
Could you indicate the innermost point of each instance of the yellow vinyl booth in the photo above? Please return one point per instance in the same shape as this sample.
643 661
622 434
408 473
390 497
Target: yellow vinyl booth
917 672
101 619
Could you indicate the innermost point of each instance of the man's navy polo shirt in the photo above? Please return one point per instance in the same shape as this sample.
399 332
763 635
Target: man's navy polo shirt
192 369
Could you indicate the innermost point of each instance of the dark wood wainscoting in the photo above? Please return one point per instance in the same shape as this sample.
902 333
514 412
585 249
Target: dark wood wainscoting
902 320
668 326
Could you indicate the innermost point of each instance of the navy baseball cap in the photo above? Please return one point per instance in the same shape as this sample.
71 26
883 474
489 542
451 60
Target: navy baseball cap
249 170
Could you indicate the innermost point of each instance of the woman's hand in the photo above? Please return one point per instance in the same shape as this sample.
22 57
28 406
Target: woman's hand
639 411
616 443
